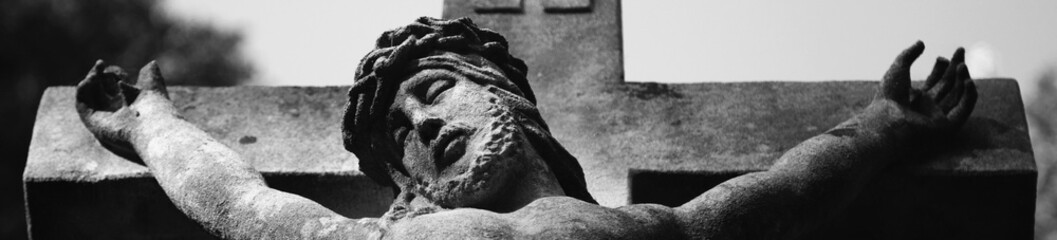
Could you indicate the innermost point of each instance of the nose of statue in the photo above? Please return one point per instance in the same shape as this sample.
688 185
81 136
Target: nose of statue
428 128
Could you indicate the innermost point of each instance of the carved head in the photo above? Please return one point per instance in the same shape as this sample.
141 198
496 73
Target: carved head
441 110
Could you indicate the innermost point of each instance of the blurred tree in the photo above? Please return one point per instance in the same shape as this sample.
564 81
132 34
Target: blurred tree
1042 121
54 42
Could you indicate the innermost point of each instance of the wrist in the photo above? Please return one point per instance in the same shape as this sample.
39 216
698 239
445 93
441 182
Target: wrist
881 127
153 124
154 104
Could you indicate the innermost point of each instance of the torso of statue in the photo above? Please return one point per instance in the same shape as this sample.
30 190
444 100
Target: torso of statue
545 218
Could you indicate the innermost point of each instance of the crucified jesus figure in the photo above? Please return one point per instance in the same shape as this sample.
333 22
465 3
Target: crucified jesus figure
444 114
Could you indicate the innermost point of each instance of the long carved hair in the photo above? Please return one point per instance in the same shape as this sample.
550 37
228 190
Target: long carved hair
379 74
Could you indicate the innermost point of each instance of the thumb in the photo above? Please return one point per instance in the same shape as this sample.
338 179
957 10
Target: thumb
150 79
896 82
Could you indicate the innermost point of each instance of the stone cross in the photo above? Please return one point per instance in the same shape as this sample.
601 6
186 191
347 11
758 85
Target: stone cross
637 142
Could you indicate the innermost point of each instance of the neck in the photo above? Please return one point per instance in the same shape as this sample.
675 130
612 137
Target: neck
535 183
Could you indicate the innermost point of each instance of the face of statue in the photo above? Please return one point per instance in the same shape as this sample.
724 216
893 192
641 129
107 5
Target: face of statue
461 133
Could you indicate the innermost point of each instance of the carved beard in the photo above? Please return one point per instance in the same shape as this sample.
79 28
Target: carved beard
496 159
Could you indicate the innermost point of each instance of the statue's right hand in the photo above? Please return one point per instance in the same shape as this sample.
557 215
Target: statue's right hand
111 108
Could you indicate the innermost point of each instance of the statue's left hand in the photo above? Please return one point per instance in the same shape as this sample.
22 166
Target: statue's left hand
111 108
936 110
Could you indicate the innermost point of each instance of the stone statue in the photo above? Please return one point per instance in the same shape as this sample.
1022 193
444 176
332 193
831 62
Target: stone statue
443 113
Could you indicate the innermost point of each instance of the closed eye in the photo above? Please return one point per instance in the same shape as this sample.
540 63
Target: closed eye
399 127
436 88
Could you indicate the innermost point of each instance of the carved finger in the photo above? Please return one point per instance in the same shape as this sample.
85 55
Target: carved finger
86 103
118 72
99 90
937 72
965 106
86 89
916 99
947 81
123 91
954 95
956 59
97 69
896 82
150 79
111 84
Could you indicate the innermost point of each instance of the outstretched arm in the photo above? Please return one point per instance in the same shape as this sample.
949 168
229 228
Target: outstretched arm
204 178
820 177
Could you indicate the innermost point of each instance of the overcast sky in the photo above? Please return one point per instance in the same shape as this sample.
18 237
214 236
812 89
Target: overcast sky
319 42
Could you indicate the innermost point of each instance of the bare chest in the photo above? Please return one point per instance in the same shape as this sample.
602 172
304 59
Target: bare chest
544 219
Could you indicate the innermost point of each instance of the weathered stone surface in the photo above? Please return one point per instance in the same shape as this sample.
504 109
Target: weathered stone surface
291 135
575 66
710 131
683 139
566 6
714 131
693 134
740 127
983 176
572 58
490 6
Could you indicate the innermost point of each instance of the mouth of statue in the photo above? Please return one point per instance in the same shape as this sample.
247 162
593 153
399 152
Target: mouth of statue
451 146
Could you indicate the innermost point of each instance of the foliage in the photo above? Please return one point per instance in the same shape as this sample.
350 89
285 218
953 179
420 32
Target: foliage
54 42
